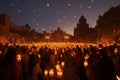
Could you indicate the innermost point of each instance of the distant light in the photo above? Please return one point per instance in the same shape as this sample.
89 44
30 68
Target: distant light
85 63
51 73
43 29
74 17
68 4
12 4
89 7
47 37
80 6
19 58
92 1
66 37
48 5
19 10
37 24
46 73
60 20
39 56
34 10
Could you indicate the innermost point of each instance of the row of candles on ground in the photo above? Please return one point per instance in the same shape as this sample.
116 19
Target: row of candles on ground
59 71
57 44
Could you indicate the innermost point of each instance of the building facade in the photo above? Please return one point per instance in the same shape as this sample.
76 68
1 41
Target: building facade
82 32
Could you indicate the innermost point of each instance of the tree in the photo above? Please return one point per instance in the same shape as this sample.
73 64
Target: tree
109 21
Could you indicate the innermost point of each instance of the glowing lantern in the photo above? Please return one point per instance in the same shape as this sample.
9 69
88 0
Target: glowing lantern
46 73
57 66
59 74
30 53
115 50
85 63
62 64
51 73
19 58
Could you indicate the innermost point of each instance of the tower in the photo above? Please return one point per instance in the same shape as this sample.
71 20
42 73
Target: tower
81 29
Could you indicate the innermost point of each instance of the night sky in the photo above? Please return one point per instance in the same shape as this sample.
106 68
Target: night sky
49 14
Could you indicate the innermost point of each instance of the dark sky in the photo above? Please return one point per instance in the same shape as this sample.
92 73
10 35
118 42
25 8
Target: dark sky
49 14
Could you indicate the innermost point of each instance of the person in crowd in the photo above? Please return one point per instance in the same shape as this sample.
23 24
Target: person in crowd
100 66
24 62
11 69
34 68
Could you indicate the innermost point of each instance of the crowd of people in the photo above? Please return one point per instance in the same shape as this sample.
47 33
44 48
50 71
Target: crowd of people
90 63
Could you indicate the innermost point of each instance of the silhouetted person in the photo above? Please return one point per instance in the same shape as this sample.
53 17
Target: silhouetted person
34 68
106 67
11 67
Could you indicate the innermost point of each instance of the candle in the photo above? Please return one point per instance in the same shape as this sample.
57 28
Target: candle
115 50
86 57
55 52
30 53
62 64
19 58
61 56
46 73
85 63
39 56
51 73
118 78
57 66
59 74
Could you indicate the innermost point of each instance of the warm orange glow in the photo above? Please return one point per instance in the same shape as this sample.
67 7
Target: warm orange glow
73 54
66 37
118 78
115 50
57 66
51 73
0 52
59 74
61 56
55 52
62 64
85 63
30 53
86 57
46 73
47 37
39 56
19 58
